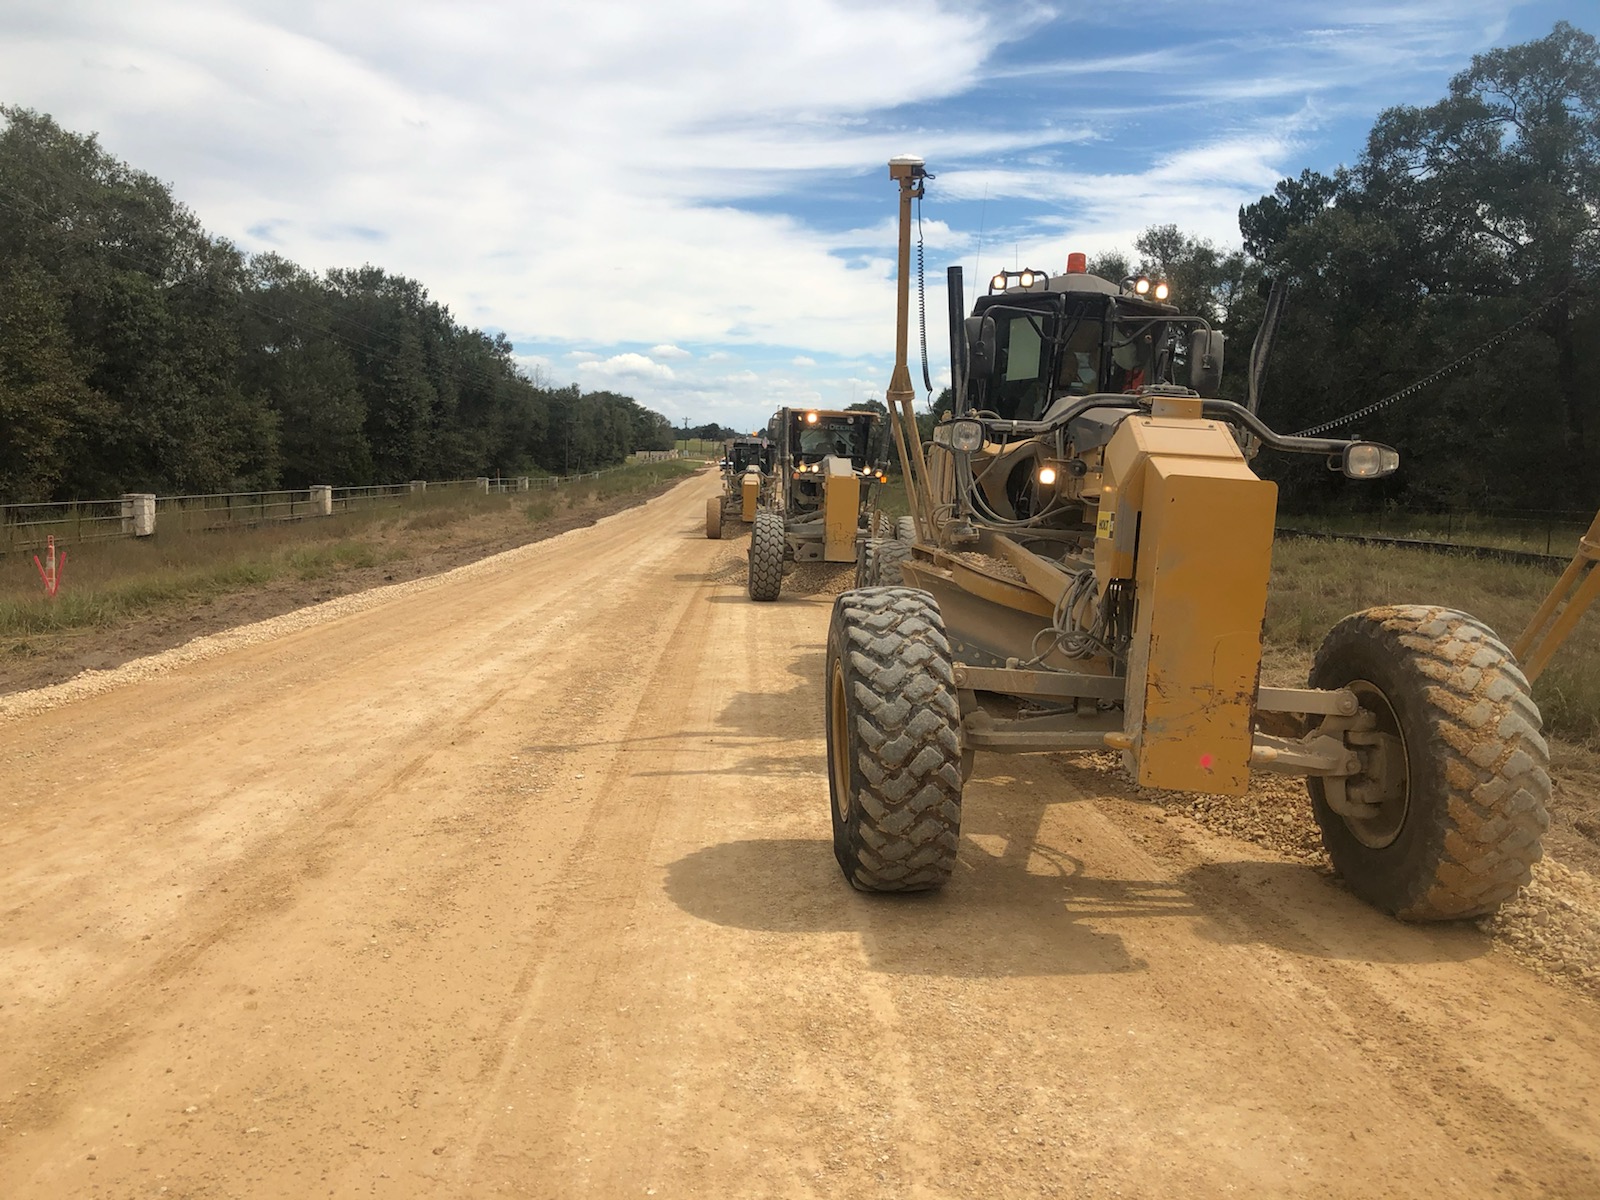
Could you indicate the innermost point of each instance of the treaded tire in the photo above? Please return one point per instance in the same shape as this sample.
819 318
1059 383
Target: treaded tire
1477 781
886 564
894 741
867 562
714 517
766 556
905 529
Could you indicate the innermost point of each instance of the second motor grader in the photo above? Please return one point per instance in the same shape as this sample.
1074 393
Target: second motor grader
1088 570
826 469
747 482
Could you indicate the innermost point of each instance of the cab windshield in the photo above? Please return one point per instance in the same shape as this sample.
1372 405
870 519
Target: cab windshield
748 454
842 436
1042 355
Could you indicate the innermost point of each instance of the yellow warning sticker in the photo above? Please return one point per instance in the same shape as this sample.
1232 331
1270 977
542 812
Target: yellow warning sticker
1106 525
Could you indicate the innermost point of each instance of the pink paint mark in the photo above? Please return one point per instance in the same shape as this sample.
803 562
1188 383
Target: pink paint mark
1205 762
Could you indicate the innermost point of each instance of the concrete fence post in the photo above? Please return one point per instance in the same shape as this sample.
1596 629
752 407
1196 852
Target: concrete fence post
322 500
419 485
522 483
139 513
483 484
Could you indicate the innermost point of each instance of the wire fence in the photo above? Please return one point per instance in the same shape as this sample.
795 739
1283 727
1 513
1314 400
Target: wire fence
28 527
1551 532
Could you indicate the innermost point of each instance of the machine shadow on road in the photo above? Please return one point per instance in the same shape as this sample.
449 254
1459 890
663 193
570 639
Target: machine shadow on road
990 922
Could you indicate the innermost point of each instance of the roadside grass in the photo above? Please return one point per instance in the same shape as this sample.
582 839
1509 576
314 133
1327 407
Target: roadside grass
1315 584
1554 533
105 583
699 447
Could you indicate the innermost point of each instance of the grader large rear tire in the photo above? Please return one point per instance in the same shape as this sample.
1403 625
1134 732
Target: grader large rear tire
714 517
894 741
1461 803
905 529
767 549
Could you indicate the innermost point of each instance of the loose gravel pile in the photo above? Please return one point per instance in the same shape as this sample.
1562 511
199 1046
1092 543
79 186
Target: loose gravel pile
1552 925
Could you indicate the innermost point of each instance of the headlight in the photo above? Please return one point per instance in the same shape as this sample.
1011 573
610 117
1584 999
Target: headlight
966 435
811 418
1162 291
1369 460
1047 476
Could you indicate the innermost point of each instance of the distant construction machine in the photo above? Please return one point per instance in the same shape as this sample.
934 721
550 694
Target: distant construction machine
827 467
747 482
1087 570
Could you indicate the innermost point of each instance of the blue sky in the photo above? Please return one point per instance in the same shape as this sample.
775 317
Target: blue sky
688 202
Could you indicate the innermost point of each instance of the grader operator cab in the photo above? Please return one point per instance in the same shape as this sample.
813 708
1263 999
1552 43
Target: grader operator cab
747 482
1088 570
827 466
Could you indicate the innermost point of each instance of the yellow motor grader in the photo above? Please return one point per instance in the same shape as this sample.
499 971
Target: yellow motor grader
826 469
1087 569
747 482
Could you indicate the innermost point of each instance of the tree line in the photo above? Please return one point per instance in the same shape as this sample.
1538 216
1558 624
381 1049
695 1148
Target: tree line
140 353
1460 221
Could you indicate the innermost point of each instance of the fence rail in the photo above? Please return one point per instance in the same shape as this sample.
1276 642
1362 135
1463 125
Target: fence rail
1543 532
27 527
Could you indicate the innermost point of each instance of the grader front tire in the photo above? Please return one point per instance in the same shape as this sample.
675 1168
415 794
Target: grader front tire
894 741
714 517
867 562
1461 810
887 563
767 548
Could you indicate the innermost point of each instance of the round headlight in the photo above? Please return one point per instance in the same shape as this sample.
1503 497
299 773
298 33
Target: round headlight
1162 291
1047 476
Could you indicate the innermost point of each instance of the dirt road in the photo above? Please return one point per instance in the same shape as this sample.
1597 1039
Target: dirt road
518 882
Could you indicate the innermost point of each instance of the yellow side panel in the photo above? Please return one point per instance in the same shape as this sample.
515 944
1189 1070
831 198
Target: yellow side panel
841 506
1205 552
750 497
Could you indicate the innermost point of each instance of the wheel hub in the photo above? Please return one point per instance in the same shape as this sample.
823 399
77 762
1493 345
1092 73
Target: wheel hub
1383 785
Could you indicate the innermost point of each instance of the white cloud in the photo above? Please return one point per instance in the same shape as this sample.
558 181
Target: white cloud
625 366
587 175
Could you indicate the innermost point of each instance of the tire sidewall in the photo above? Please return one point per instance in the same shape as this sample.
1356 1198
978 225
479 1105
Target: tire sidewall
1388 876
838 660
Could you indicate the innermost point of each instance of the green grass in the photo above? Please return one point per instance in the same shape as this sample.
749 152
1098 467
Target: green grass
108 582
1555 534
1314 584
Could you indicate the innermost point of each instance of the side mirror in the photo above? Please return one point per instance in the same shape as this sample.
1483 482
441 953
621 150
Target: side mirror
1205 361
980 346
